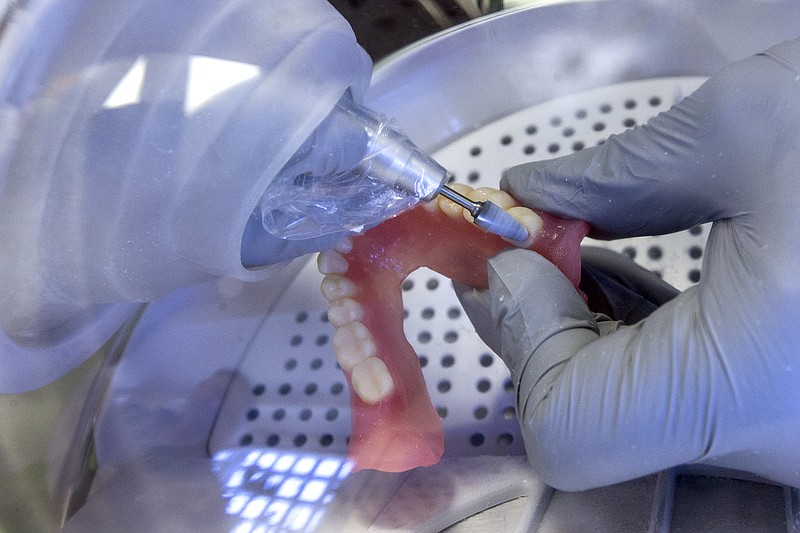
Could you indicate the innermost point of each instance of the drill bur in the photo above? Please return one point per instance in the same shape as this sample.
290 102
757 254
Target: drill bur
488 216
495 219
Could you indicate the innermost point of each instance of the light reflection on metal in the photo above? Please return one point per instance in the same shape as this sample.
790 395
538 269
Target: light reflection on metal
273 491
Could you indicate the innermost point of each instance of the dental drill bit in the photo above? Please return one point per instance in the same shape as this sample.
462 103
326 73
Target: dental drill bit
488 216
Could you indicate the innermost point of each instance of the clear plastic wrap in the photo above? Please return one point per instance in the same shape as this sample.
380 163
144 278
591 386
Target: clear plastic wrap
356 171
305 206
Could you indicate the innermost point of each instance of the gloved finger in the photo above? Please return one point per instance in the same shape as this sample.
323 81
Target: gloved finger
698 162
616 286
641 182
532 303
477 305
642 399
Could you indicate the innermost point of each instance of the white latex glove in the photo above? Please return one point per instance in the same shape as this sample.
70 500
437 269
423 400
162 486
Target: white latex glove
713 376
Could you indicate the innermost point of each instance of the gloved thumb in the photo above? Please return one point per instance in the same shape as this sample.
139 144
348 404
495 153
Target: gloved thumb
515 323
650 180
703 160
477 304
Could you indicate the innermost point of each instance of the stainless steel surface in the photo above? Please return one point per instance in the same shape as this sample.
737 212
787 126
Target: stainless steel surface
76 473
444 87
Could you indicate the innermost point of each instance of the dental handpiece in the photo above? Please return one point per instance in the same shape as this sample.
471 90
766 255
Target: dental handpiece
393 159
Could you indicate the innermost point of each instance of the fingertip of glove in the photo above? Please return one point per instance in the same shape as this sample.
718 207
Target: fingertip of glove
518 180
461 289
515 271
552 185
514 265
510 258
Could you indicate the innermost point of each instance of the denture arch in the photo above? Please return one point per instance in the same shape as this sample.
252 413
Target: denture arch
395 427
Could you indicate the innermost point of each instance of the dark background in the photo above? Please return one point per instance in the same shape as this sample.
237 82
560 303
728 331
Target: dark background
383 26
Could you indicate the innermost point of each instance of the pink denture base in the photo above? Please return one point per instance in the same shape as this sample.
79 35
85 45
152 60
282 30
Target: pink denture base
404 431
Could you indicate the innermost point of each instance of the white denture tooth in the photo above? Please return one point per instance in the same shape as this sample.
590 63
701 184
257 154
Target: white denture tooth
335 286
343 311
353 343
345 246
496 196
372 381
500 198
331 262
449 207
532 222
431 206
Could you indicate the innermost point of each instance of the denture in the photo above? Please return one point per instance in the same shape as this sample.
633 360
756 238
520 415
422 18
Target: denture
394 424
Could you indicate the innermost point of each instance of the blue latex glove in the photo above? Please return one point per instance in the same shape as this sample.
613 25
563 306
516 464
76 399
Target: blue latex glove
712 376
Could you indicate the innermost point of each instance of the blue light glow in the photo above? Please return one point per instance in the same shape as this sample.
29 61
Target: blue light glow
251 458
327 468
304 466
290 488
254 508
267 460
284 462
236 479
272 491
313 491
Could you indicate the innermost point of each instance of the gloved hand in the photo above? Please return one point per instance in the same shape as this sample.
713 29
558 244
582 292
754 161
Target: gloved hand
709 377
